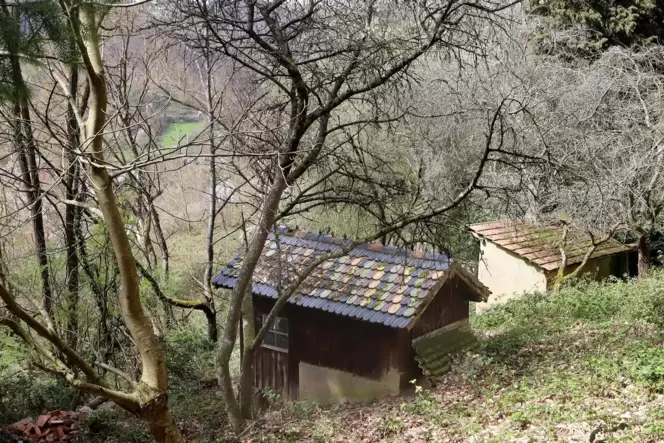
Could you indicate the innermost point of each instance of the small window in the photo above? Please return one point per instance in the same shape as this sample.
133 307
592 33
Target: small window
277 336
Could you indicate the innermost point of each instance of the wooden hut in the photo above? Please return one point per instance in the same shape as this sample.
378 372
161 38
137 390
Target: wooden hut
359 323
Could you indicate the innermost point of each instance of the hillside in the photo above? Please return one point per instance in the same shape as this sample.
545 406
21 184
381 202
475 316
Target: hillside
586 364
566 367
210 213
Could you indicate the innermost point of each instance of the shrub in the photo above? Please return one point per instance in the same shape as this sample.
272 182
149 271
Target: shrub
630 300
646 365
189 355
26 394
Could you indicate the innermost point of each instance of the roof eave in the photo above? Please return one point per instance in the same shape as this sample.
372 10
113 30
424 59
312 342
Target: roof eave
556 265
455 270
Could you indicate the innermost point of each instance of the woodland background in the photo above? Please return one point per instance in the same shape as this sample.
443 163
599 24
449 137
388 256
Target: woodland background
143 145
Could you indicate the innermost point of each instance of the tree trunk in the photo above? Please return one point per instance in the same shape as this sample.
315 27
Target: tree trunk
211 316
161 425
154 378
161 241
248 359
25 147
36 210
643 246
254 250
72 216
163 247
212 205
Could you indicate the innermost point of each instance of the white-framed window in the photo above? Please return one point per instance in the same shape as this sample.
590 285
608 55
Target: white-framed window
277 336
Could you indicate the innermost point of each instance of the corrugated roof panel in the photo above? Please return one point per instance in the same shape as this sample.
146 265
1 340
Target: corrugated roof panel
434 350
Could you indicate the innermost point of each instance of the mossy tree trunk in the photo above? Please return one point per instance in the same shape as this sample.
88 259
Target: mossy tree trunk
643 248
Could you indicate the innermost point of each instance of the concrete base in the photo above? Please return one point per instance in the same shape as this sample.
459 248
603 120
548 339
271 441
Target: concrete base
325 385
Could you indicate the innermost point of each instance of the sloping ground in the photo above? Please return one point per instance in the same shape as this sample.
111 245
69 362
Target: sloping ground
584 365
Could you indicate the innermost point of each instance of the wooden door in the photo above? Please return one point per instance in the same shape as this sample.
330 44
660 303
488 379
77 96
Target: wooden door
272 372
271 366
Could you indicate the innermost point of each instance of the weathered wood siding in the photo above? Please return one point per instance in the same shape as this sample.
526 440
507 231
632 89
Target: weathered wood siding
342 343
332 341
358 347
271 371
448 306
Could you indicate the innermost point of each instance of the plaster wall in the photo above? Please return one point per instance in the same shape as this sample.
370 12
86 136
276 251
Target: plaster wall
325 385
506 275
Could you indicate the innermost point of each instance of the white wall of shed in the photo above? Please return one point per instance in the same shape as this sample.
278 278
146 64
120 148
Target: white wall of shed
506 274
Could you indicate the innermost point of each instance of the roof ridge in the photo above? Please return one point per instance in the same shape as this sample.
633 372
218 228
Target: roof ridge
373 246
537 243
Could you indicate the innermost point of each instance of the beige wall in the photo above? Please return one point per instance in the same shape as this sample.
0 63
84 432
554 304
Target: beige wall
325 385
597 269
506 274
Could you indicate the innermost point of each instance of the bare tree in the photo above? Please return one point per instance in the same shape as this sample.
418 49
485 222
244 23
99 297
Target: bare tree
315 82
602 135
146 397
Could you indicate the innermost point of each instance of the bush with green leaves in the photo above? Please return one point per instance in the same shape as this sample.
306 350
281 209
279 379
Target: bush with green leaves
629 300
646 365
24 394
189 355
585 29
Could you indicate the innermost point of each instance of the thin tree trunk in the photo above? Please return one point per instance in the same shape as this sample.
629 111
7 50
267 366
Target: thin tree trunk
254 250
248 367
25 148
163 247
161 241
643 246
36 209
72 215
212 207
212 329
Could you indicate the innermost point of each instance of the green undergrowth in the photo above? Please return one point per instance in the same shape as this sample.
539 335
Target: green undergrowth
193 395
583 364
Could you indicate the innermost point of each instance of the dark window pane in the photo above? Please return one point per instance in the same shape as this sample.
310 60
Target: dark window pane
270 339
281 325
282 341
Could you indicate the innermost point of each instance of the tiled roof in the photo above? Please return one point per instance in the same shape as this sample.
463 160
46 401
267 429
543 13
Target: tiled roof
539 244
372 282
434 350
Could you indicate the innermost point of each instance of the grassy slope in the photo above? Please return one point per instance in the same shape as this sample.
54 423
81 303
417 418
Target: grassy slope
550 368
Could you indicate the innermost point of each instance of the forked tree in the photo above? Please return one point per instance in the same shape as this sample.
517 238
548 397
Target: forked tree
324 67
79 23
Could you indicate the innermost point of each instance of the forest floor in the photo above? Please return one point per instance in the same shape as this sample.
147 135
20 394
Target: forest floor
583 365
586 364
